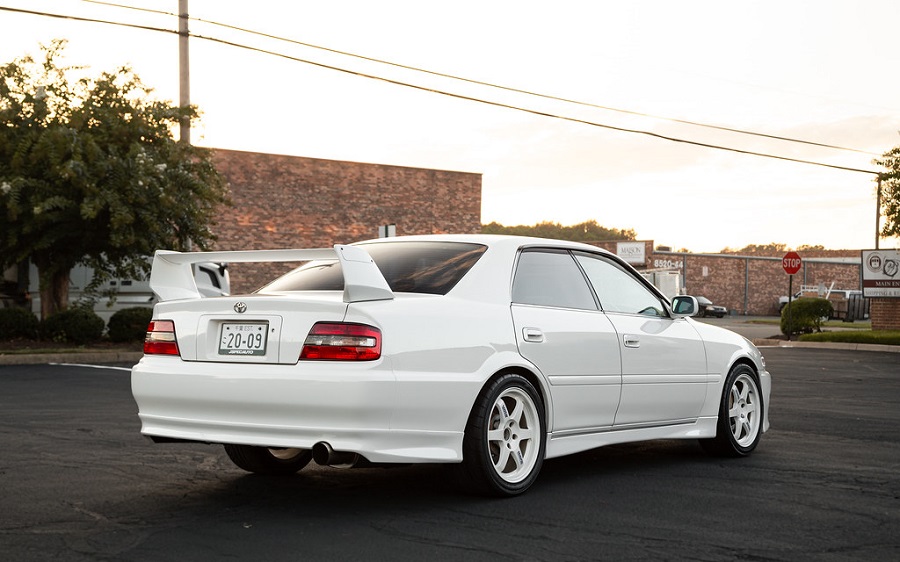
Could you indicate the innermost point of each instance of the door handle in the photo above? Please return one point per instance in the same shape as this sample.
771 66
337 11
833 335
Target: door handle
533 335
631 341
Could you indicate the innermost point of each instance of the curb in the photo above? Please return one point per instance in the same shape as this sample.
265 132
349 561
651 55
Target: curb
828 345
86 357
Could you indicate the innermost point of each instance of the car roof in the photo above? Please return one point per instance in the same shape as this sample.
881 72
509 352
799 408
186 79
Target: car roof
497 262
498 241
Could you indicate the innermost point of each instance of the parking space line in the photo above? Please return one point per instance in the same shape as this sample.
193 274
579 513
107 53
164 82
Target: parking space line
93 366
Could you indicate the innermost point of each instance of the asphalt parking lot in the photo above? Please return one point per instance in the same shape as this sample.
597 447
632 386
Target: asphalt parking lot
78 482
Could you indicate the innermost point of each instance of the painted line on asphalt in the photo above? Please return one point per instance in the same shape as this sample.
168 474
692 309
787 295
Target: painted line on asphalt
92 366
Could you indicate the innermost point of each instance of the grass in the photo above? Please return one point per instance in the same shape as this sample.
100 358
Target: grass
885 337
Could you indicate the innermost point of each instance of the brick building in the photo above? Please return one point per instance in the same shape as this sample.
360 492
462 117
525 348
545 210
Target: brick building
753 284
750 285
294 202
885 314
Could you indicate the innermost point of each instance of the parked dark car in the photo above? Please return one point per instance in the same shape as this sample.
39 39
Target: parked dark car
707 308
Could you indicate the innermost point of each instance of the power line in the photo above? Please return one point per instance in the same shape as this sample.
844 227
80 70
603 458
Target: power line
446 93
491 85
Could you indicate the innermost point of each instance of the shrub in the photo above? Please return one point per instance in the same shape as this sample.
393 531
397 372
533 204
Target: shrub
17 322
806 315
77 325
129 324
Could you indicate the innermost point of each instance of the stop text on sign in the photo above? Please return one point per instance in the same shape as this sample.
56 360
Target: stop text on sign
791 263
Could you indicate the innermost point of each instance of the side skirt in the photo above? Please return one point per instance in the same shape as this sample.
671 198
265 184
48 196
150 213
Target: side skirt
559 445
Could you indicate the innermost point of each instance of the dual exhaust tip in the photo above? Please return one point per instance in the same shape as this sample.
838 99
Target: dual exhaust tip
323 454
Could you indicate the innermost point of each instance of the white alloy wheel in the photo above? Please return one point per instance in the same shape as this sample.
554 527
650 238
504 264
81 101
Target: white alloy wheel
285 454
513 434
741 410
264 460
744 410
503 448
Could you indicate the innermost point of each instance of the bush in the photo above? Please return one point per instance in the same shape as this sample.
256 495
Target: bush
806 314
17 322
77 325
129 324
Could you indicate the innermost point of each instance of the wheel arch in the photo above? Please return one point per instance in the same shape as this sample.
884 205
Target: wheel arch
727 363
479 470
749 362
744 360
531 375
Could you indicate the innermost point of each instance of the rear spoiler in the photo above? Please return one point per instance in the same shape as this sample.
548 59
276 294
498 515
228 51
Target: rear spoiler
171 276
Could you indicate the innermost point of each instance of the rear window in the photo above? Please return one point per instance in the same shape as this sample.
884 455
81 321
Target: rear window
408 267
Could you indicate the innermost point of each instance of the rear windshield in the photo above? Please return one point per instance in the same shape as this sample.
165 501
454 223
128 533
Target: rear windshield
408 267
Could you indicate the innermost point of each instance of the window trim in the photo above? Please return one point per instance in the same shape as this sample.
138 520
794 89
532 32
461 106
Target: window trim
600 254
631 272
554 250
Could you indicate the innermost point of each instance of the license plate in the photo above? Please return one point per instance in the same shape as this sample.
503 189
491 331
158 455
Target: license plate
243 339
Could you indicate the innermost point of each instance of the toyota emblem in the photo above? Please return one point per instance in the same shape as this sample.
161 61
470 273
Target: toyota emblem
240 307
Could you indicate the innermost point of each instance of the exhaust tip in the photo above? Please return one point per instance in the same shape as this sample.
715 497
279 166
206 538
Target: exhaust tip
322 452
325 455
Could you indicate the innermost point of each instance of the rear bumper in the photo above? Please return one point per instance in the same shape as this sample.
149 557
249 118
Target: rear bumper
359 408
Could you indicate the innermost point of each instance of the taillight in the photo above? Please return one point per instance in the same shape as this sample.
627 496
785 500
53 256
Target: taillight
160 339
340 341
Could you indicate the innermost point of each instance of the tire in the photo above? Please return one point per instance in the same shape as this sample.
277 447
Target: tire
505 439
741 412
262 460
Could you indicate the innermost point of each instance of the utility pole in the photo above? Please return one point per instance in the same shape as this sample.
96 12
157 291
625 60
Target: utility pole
878 212
184 66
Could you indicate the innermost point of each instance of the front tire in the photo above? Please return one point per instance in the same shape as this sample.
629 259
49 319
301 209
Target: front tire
262 460
504 443
739 426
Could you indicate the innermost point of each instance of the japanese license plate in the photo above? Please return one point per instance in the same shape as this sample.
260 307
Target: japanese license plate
243 339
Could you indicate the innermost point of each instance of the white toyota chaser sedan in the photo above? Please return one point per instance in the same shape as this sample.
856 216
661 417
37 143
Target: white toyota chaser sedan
488 353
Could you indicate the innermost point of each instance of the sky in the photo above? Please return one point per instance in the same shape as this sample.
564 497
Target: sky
823 71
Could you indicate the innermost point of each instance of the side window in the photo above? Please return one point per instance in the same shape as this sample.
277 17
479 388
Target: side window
617 289
551 278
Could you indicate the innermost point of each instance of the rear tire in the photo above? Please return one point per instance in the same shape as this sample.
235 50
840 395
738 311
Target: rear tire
262 460
739 426
505 439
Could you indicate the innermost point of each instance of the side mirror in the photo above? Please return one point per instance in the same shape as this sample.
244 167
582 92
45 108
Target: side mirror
685 306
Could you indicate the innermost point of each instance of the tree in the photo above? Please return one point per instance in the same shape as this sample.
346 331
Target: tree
771 248
588 231
90 173
890 191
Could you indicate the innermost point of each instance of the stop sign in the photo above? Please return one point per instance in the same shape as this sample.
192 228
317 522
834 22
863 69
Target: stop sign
791 263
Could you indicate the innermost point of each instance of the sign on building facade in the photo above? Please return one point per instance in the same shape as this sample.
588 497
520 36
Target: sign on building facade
881 273
632 252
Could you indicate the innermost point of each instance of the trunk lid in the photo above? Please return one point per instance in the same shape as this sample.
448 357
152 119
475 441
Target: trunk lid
249 328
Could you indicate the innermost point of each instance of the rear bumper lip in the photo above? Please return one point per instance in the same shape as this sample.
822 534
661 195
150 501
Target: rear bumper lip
354 407
376 445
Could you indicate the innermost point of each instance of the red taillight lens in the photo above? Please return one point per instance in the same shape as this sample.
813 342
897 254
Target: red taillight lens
339 341
160 339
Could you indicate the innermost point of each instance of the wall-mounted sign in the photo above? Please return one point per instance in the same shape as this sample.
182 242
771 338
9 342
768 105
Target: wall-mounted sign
881 273
631 252
668 264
